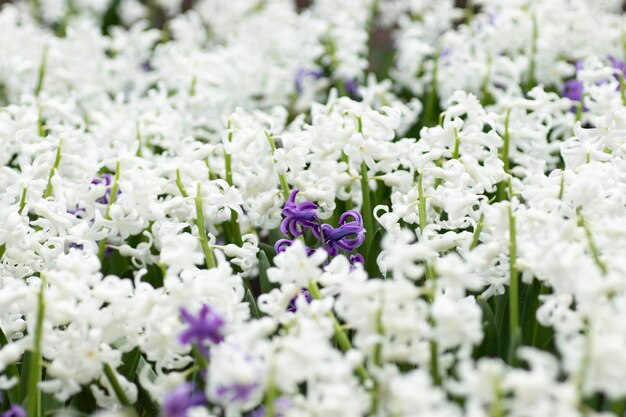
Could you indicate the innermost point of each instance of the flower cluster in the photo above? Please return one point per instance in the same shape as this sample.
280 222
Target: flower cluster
286 208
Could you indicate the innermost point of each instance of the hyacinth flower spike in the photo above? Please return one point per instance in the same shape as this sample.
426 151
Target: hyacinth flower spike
178 402
348 236
207 326
298 217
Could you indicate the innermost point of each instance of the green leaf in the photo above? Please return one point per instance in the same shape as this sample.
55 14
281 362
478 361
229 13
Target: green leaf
530 303
253 308
130 360
371 266
145 405
84 401
489 346
264 264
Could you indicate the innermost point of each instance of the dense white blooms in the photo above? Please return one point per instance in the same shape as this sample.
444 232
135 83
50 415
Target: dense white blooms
340 208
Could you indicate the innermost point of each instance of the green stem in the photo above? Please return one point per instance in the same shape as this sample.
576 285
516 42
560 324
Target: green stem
477 230
270 397
344 158
234 217
115 384
41 128
179 184
107 214
378 361
533 55
342 338
430 111
504 154
42 72
57 160
457 143
430 276
23 200
138 137
622 88
206 248
281 177
33 394
595 253
192 87
514 324
434 363
366 209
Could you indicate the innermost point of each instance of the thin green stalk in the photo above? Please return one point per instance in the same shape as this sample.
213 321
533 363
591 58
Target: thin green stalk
41 128
270 397
421 206
192 87
595 253
348 202
179 184
33 395
204 242
485 96
430 276
622 88
378 361
434 363
579 110
115 384
234 217
138 137
430 108
23 200
533 55
367 209
57 160
504 154
477 231
342 338
457 143
496 408
107 214
514 323
42 72
281 177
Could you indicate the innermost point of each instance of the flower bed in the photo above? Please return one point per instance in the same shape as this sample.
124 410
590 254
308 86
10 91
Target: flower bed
346 208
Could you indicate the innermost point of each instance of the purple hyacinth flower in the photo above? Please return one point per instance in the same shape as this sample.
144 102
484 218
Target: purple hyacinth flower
236 392
14 411
292 308
207 326
179 401
357 258
348 236
282 245
303 73
352 89
573 89
618 64
107 180
298 217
